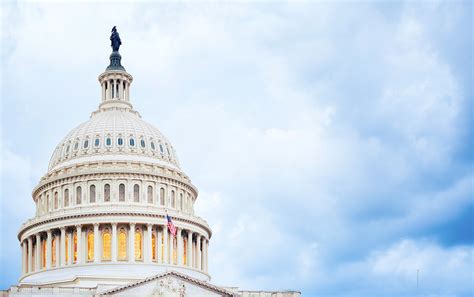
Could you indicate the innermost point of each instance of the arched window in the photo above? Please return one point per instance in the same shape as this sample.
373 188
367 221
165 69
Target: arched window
150 194
74 247
90 246
142 143
132 142
108 141
173 198
106 245
181 201
122 244
122 193
78 195
66 198
47 203
53 251
161 148
92 194
138 244
153 247
86 143
76 145
106 193
120 141
162 196
136 193
56 200
97 142
152 144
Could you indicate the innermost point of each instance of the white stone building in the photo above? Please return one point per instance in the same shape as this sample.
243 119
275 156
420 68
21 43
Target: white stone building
100 227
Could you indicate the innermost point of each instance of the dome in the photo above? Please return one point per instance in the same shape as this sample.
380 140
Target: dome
114 134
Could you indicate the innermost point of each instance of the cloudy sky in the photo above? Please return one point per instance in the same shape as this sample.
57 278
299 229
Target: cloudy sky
331 143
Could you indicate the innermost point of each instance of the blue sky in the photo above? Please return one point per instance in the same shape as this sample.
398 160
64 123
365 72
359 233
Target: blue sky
331 142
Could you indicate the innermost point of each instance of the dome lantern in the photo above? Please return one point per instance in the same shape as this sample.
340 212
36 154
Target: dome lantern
115 81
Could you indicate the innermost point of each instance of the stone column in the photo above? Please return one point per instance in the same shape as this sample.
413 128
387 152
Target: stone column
198 251
38 253
127 93
103 91
206 255
29 254
131 239
179 239
97 238
114 242
189 257
158 245
79 244
57 251
120 94
148 246
165 234
24 266
48 249
62 254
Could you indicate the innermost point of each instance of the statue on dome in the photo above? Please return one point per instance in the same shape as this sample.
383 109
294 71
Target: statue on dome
115 40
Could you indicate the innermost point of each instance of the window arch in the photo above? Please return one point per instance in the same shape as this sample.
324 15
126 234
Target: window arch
97 142
86 143
108 141
76 145
92 194
150 194
181 201
132 142
161 148
162 196
90 246
138 244
122 244
106 193
142 143
66 198
136 193
152 144
120 141
78 195
122 193
173 198
56 200
106 245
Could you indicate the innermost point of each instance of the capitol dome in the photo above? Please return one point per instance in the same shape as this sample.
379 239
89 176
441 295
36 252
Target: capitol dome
114 206
114 134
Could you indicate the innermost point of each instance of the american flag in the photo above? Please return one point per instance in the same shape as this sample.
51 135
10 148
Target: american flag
171 226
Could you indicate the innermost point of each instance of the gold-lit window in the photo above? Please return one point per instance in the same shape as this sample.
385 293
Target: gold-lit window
53 251
122 245
90 246
175 254
43 243
153 246
138 245
75 247
67 249
185 245
106 246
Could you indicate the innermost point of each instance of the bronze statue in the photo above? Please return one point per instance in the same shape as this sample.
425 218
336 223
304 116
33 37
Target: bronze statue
115 40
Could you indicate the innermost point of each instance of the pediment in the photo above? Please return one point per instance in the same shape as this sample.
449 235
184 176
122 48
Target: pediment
169 284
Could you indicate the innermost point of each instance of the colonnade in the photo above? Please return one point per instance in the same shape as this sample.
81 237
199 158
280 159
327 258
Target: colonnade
114 243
